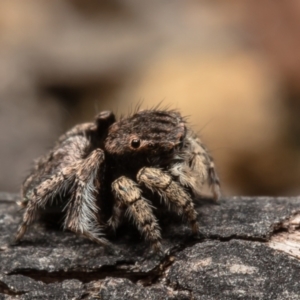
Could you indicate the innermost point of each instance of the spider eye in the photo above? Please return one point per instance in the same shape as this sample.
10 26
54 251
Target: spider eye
135 143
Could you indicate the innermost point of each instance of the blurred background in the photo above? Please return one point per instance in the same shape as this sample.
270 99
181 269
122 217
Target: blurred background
232 66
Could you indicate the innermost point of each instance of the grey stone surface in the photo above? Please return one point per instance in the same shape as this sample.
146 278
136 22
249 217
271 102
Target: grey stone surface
235 270
231 258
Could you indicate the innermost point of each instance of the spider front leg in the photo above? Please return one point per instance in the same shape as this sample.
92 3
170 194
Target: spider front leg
126 192
171 192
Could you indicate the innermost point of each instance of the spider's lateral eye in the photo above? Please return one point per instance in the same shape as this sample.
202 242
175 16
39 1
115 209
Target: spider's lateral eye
135 143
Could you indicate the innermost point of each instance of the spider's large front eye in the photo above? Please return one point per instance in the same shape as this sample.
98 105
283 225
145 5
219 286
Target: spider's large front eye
135 143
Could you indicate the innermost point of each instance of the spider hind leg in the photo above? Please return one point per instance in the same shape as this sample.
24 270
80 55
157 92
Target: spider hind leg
43 194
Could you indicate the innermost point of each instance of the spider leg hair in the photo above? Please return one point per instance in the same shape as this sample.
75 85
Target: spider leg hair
117 215
173 195
195 167
139 209
44 193
213 180
82 209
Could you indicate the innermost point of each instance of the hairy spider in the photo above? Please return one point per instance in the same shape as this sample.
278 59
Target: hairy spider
103 170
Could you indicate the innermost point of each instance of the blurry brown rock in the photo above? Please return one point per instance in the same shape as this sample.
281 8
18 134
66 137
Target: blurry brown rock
237 79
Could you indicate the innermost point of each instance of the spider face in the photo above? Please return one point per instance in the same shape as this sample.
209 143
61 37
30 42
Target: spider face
108 163
146 134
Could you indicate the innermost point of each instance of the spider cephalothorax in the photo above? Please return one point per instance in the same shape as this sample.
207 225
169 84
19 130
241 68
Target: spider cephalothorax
100 169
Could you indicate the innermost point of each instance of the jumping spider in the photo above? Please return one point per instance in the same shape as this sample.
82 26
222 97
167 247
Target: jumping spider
105 168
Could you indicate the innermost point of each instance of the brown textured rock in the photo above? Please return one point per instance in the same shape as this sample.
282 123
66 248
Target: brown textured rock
233 258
